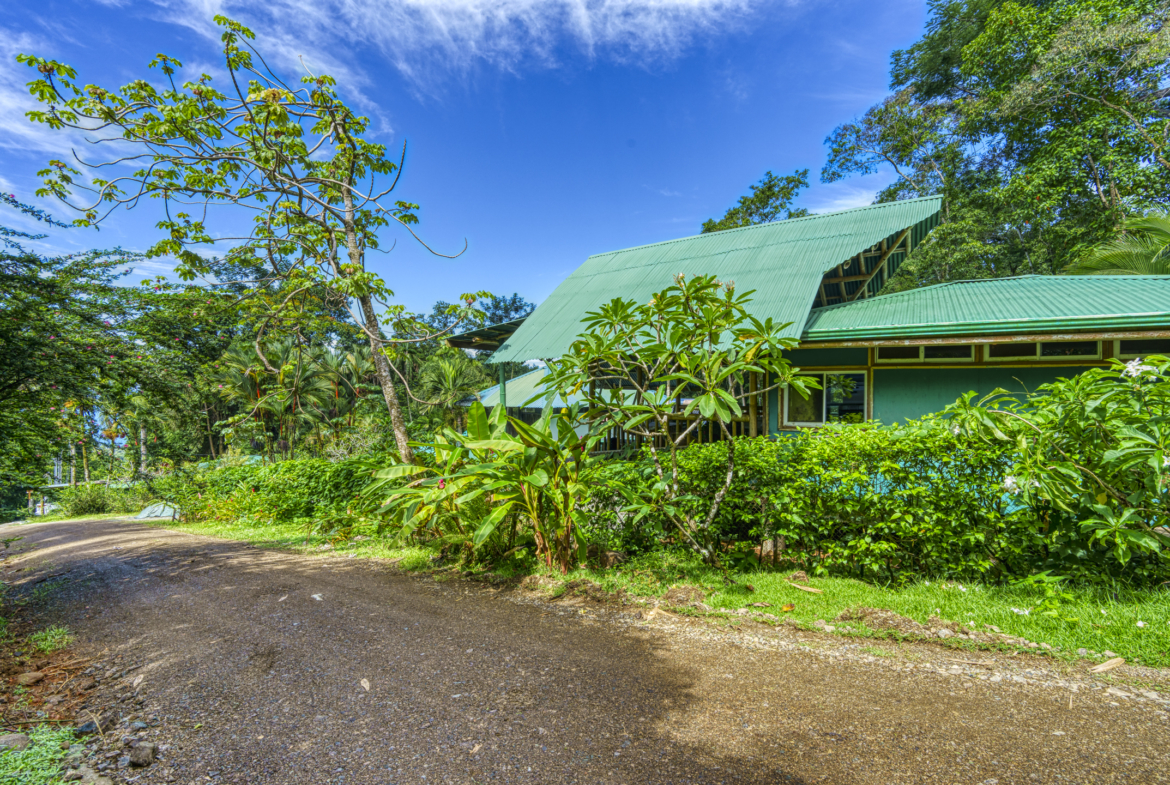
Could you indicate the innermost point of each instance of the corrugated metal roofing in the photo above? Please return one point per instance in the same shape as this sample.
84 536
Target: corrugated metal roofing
783 261
521 389
1024 304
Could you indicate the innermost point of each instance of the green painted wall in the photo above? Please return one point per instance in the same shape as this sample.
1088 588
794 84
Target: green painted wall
813 358
905 393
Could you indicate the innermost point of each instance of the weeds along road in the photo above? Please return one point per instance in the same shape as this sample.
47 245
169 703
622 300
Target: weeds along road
254 661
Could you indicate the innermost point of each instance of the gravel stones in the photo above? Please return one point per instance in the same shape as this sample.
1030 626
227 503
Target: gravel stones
13 741
142 753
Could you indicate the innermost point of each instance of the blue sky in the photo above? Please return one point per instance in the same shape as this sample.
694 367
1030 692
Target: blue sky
541 131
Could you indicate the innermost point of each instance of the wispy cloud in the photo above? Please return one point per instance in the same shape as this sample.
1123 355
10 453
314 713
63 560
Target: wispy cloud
427 40
840 196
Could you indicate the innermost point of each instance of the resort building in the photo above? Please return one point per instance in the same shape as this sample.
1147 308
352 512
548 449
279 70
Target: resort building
879 357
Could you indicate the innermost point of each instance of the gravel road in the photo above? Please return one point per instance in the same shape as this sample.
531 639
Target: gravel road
265 667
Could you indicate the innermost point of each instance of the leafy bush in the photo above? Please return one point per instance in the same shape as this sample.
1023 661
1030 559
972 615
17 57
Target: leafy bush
1092 457
877 503
491 493
321 493
98 499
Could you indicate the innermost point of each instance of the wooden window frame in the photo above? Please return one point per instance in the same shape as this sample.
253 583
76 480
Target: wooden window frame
1038 356
1117 348
922 359
782 419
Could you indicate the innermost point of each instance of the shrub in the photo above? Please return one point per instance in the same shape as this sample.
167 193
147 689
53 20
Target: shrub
877 503
1091 454
320 492
96 499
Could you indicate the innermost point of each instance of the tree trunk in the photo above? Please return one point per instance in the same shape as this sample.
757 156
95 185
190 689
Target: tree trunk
142 448
72 465
386 381
85 461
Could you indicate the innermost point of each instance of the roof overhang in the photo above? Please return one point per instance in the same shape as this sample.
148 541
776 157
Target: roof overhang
486 338
1012 337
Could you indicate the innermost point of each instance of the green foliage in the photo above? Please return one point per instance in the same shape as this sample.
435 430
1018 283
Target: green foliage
1042 125
51 639
320 494
665 369
98 499
490 491
770 200
1144 249
40 762
292 156
1092 453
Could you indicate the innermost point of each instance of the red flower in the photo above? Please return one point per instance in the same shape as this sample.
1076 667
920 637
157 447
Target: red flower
442 484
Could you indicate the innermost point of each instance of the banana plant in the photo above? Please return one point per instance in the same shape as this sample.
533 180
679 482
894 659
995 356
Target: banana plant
533 480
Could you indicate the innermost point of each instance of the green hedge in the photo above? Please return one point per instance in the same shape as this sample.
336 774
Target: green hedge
883 504
320 492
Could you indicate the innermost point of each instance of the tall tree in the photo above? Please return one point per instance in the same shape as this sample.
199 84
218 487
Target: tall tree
770 200
294 157
1042 125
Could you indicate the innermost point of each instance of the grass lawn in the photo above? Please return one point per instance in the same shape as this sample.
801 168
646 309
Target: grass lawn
1132 624
40 762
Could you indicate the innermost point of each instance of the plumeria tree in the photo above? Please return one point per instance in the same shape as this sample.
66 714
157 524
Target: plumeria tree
690 358
293 156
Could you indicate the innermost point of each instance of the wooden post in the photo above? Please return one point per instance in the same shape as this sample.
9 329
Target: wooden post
503 391
753 412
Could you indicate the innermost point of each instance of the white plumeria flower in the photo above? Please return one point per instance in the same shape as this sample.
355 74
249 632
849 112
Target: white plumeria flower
1141 624
1136 368
955 430
1021 611
1103 612
1165 461
1010 485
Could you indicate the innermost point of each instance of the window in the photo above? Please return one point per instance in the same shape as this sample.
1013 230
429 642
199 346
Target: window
926 354
1141 347
840 399
1043 350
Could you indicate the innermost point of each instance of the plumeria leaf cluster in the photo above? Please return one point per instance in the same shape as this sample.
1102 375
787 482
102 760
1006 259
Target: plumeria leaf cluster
1094 448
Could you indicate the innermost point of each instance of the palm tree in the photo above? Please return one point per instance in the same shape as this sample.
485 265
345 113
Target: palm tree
1144 249
446 381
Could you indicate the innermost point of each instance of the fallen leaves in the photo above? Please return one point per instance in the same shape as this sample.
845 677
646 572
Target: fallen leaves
1108 665
809 589
138 680
365 684
317 597
788 606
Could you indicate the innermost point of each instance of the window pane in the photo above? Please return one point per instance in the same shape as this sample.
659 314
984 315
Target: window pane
810 409
1148 346
898 353
1068 349
1009 350
949 352
846 397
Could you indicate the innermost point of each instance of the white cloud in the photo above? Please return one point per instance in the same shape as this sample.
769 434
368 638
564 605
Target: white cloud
428 39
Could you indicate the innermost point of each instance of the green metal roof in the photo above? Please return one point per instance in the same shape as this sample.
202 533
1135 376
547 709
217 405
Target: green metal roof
1021 305
521 389
782 261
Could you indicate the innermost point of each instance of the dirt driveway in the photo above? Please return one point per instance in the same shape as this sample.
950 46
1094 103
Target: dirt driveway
252 666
